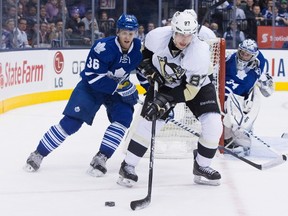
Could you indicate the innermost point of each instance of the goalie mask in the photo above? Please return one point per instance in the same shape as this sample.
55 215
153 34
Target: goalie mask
184 23
247 52
127 22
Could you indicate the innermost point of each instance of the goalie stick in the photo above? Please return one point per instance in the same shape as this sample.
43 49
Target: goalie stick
279 160
143 203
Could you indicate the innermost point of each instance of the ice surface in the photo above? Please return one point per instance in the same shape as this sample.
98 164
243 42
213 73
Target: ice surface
62 187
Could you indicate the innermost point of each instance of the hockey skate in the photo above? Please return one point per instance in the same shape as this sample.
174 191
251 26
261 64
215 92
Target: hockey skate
33 162
98 165
205 175
127 175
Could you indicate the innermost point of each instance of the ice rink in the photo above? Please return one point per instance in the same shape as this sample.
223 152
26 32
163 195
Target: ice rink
62 187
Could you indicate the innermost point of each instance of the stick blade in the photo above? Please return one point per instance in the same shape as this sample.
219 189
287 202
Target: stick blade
140 204
281 159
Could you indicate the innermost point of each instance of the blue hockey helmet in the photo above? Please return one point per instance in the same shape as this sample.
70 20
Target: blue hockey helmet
127 22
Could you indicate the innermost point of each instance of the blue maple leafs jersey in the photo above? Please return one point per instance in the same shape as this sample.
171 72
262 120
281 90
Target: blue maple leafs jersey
241 82
107 66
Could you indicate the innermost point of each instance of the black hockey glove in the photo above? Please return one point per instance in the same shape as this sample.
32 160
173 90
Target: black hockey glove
159 106
128 92
151 73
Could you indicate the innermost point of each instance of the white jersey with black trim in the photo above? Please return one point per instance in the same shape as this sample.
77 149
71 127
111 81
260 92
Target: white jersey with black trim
193 61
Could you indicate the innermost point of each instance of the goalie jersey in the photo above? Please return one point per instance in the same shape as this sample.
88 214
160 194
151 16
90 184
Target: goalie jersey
107 66
241 82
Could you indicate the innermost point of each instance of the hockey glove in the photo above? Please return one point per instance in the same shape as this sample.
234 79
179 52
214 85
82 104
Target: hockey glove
151 73
159 106
266 86
128 92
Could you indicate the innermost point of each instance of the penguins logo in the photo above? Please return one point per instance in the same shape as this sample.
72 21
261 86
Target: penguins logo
177 71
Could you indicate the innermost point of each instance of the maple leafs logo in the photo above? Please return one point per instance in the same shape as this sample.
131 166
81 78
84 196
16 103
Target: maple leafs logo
100 47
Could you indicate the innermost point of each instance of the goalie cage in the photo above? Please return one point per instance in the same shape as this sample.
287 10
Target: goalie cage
173 141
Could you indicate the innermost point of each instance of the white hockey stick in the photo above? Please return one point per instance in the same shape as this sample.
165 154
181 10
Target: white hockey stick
239 120
279 160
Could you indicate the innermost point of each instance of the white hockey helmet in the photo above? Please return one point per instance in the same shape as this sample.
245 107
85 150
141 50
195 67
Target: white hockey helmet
248 46
184 23
192 12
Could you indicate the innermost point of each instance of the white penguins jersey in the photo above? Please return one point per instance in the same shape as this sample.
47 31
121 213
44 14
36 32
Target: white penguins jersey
193 61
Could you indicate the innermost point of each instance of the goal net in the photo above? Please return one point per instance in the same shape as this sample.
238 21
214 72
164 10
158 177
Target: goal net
173 141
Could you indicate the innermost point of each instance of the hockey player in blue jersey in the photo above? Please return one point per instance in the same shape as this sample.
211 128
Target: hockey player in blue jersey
245 81
105 81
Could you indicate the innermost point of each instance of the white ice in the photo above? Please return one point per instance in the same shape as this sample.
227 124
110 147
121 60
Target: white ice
62 187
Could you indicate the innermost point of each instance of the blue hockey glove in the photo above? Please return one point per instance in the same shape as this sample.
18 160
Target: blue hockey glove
128 92
159 106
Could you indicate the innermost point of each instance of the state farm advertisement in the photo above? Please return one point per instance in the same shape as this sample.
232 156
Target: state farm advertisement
268 37
30 71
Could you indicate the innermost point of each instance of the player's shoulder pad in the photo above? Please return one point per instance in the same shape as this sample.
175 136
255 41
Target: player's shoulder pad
206 33
104 45
105 48
260 56
199 47
157 37
230 56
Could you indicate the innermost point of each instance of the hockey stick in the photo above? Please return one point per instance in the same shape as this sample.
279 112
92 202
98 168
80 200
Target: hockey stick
212 7
284 157
143 203
249 133
279 160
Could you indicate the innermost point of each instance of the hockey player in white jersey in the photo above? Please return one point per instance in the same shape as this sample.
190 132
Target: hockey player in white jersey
105 81
245 79
178 61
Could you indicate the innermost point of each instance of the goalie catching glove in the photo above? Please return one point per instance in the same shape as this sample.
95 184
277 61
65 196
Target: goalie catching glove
151 73
161 104
266 85
128 92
